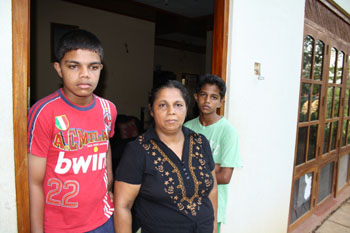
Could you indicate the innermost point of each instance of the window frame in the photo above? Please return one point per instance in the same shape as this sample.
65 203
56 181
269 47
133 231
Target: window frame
322 159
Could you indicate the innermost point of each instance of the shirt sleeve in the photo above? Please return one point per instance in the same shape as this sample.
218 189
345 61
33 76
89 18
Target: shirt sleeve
231 156
207 152
132 165
39 132
114 117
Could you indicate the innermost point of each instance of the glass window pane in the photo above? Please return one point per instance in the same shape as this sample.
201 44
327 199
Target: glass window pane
304 102
336 101
332 65
343 141
334 134
312 142
301 149
326 138
340 63
329 102
325 186
308 53
346 104
301 197
316 93
319 51
343 171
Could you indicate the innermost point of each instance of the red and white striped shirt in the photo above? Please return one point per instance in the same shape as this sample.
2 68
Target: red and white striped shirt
74 140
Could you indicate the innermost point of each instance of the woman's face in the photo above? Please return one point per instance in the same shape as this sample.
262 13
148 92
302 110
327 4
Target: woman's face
169 110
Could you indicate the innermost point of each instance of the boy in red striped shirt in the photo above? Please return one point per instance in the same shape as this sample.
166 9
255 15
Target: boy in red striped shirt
70 167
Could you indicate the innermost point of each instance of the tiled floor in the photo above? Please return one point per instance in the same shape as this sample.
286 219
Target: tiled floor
338 221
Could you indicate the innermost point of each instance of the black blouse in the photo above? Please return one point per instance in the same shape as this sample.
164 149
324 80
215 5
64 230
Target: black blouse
173 197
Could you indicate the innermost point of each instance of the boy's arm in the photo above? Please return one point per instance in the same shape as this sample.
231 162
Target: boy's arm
223 174
230 156
37 168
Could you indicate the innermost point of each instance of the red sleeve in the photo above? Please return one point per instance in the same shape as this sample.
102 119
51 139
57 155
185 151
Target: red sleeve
39 131
114 117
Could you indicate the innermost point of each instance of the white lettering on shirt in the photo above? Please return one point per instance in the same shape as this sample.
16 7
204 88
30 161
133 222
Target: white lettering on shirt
64 164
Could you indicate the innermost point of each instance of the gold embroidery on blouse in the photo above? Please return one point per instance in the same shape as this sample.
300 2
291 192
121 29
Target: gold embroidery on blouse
179 176
194 202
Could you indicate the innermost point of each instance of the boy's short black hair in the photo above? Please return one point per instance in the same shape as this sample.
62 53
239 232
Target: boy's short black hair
213 80
77 39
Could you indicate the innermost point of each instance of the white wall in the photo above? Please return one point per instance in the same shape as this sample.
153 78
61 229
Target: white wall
128 76
263 111
8 216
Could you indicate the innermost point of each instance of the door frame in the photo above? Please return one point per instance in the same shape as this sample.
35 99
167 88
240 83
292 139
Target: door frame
220 41
21 82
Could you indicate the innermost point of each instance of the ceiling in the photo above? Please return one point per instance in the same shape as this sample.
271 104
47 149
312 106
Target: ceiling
191 9
180 24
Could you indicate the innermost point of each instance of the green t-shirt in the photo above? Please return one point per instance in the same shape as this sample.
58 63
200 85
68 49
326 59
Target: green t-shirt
223 140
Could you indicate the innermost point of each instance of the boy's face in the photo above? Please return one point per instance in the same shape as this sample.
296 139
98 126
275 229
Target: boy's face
80 70
208 99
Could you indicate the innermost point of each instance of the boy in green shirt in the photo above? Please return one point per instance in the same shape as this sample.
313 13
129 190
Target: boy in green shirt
222 136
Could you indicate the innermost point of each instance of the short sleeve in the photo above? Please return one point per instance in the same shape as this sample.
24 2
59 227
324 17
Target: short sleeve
231 156
132 164
207 152
114 117
39 132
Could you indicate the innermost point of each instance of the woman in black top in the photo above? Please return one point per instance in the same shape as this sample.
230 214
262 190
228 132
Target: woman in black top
165 182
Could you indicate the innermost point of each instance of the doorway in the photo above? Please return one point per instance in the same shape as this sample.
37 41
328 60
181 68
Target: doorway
21 80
